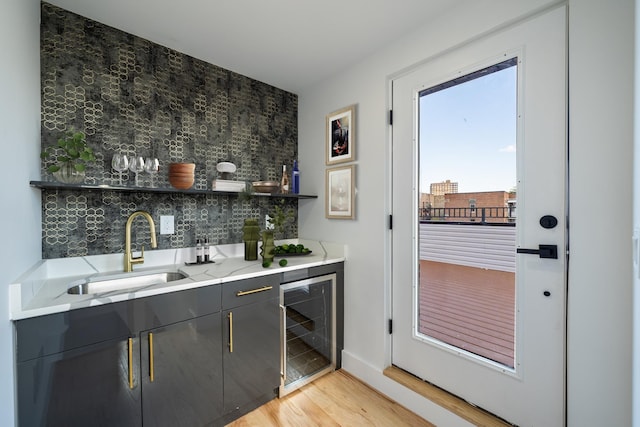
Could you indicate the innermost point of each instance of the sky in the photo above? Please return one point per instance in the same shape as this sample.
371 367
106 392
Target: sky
467 134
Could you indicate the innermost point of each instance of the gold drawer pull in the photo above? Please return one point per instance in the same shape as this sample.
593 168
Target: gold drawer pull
230 316
130 363
151 369
254 291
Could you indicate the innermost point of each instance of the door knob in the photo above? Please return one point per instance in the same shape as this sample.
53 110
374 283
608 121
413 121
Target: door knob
544 251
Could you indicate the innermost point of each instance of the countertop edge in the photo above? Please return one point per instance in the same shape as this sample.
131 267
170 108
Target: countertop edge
48 296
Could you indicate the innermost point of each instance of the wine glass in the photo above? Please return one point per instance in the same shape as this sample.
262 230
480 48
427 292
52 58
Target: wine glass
151 166
120 163
136 165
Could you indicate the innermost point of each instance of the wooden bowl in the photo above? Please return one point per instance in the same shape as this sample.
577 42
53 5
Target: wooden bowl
181 183
181 174
182 167
266 186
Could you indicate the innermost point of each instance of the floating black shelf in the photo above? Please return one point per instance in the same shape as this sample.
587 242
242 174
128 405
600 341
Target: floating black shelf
51 185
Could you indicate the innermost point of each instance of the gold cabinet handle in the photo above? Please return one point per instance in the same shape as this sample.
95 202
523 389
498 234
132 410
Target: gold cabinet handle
254 291
230 316
130 351
150 356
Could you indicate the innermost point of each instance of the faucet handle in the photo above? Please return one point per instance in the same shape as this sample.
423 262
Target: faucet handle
138 259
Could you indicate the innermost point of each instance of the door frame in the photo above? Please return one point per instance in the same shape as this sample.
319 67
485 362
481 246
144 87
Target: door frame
388 251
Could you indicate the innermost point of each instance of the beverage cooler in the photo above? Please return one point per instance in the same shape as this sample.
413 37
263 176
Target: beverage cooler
308 330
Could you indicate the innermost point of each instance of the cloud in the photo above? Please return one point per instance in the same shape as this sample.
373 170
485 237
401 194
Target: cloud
508 149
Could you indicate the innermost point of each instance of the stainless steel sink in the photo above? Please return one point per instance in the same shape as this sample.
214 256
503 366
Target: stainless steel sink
123 282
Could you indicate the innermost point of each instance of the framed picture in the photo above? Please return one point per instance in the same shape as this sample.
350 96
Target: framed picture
341 137
340 191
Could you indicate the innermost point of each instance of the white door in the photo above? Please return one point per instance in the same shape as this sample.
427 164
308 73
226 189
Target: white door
525 385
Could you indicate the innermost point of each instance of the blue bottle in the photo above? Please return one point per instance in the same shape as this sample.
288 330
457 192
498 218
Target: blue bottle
295 178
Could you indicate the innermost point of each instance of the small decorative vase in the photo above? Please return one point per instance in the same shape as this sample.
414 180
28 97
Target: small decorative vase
268 247
68 174
250 235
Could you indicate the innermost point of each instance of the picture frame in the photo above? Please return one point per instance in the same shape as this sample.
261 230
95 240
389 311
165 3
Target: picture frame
340 192
341 136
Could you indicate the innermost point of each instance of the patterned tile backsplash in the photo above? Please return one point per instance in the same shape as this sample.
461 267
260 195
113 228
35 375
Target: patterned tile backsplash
132 96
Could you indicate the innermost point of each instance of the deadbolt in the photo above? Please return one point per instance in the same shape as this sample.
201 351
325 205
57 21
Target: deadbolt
548 221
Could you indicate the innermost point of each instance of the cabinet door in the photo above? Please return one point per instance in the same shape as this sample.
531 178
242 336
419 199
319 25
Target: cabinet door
88 386
186 361
251 355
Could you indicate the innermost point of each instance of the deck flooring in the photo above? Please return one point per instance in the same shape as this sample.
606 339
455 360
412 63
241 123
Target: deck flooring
470 308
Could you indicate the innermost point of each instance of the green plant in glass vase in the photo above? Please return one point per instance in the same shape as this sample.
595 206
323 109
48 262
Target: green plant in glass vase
71 155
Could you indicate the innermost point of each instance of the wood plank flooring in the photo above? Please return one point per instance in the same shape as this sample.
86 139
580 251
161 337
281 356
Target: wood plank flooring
336 399
470 308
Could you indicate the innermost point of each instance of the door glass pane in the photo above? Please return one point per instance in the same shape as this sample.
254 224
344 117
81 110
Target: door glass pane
467 213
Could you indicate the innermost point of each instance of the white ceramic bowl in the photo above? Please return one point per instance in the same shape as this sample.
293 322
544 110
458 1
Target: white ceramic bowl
226 167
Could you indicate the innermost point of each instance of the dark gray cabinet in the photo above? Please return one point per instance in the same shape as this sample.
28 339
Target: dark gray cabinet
73 368
91 366
214 351
181 370
80 387
252 344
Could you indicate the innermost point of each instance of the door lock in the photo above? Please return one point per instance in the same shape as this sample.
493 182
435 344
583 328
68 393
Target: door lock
544 251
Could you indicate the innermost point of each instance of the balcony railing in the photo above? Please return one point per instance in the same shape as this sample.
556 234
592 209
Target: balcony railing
482 215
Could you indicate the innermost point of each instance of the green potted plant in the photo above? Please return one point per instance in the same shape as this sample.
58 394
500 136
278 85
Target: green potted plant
280 218
71 155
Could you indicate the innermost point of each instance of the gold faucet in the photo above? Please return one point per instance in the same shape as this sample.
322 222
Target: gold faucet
129 259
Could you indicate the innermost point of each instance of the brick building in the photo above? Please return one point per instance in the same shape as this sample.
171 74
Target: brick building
487 206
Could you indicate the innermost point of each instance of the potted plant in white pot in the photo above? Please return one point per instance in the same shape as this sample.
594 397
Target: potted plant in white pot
71 155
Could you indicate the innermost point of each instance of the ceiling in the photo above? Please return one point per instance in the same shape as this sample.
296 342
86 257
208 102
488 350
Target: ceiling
290 44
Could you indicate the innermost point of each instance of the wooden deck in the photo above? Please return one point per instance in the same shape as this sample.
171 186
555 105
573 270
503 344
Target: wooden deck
470 308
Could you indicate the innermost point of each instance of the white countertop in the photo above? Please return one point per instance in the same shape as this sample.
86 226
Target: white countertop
43 288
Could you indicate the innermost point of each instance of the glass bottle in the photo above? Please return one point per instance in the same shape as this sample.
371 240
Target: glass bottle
198 251
206 249
284 181
295 178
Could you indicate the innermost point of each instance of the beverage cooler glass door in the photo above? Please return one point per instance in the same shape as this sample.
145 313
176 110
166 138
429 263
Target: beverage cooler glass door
308 330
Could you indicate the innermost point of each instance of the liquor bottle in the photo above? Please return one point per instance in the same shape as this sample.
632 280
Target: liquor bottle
284 181
295 178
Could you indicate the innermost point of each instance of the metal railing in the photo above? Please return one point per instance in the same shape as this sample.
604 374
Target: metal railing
481 215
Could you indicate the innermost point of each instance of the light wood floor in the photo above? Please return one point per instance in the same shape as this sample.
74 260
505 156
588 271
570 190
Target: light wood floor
336 399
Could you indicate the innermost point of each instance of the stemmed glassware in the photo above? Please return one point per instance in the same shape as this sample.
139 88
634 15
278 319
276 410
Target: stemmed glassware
151 166
136 165
120 163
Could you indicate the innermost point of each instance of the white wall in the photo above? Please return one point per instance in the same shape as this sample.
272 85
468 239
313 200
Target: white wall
20 216
599 349
600 286
636 226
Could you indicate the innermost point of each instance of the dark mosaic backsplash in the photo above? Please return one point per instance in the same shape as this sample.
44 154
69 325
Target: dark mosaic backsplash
139 98
92 222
